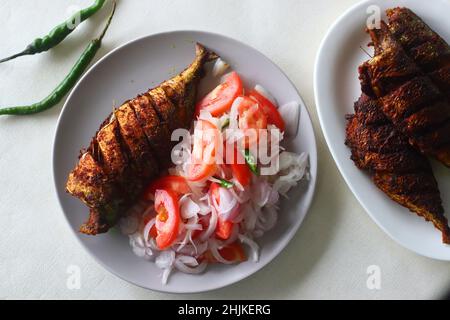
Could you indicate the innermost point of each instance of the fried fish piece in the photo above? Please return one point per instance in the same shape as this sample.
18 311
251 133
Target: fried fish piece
427 48
396 168
423 45
130 145
181 89
89 182
157 132
405 92
136 144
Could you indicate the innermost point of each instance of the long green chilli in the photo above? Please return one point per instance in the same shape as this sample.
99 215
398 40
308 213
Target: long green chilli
59 33
69 81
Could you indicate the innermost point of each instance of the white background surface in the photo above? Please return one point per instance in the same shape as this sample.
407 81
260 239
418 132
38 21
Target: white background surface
329 256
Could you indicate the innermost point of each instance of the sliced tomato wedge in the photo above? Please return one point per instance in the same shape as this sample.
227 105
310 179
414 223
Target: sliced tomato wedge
224 228
221 98
177 184
251 119
167 219
233 252
204 151
240 169
270 110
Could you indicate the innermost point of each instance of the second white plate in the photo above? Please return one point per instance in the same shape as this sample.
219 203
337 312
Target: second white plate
336 87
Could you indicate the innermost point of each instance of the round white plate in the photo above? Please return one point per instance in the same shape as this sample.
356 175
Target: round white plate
132 69
336 87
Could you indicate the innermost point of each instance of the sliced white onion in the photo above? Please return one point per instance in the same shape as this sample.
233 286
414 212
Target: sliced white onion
290 112
211 227
146 232
228 206
187 260
149 254
140 252
188 208
288 159
193 226
219 68
165 259
254 248
204 208
258 233
166 274
262 91
185 238
206 115
268 218
250 217
190 270
214 248
274 197
136 239
261 191
195 249
242 197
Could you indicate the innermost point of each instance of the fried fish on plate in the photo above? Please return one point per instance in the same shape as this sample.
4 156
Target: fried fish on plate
410 99
396 168
423 45
133 145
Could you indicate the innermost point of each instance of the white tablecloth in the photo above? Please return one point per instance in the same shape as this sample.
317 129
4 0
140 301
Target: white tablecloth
329 256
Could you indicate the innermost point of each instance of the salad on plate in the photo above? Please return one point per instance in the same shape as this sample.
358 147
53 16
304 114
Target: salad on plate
223 193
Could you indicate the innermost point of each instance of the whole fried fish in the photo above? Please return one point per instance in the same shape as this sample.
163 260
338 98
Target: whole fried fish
133 146
396 168
410 99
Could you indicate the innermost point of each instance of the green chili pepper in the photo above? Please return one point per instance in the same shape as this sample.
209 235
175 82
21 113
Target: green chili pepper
59 33
225 183
251 162
64 87
226 123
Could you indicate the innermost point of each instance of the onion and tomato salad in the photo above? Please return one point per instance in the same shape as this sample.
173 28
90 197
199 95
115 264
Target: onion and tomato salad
204 211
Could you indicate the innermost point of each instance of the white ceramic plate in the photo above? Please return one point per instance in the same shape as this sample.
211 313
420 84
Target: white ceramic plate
336 87
132 69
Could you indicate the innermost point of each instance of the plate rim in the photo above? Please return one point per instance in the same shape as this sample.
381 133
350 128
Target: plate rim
313 180
327 134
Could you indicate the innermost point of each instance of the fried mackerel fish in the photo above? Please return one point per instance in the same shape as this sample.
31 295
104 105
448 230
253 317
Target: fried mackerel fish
395 167
409 98
428 50
133 146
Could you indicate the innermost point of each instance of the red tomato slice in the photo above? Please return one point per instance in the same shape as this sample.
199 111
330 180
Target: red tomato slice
233 252
221 98
175 183
241 172
224 228
270 110
251 119
204 151
214 189
167 218
201 171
